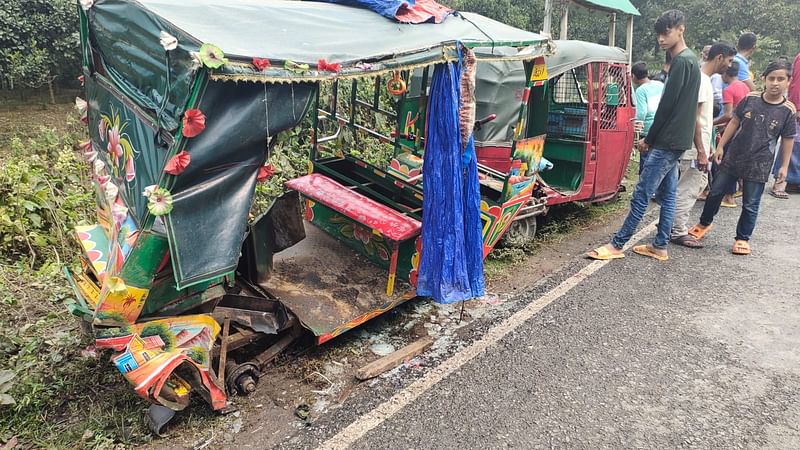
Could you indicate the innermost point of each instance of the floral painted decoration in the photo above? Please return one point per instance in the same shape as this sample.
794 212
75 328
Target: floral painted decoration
88 151
178 163
82 79
159 202
261 63
325 66
212 56
111 192
194 122
265 173
86 4
168 41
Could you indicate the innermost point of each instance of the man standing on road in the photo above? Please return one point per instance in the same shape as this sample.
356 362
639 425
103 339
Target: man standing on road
647 96
694 162
745 48
671 134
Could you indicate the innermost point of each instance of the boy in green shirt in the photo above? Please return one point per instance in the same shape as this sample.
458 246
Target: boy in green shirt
671 134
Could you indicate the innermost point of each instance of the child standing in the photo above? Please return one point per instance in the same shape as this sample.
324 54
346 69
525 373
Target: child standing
745 152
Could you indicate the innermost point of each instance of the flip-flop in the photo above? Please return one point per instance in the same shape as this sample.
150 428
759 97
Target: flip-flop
741 248
604 254
728 205
645 250
699 231
687 241
779 194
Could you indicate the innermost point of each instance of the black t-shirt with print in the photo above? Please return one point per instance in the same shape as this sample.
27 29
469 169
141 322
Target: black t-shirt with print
749 154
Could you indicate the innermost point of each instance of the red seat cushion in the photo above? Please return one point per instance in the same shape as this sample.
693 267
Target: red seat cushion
387 221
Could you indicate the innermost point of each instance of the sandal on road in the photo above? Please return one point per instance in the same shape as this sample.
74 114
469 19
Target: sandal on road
741 248
646 250
699 231
779 194
604 254
728 204
687 241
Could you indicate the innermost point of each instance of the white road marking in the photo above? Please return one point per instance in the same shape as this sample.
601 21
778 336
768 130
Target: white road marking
389 408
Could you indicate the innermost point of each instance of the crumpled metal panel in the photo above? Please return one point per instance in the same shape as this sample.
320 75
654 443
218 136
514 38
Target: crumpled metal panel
212 197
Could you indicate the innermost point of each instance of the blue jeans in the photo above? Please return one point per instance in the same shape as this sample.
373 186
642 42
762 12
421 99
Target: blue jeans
731 188
751 200
659 173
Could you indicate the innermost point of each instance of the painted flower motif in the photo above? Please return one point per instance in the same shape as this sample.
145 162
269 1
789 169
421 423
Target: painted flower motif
119 212
111 192
265 173
82 79
261 63
178 163
130 169
86 4
325 66
102 127
382 253
212 56
168 41
159 202
99 167
194 122
148 191
362 234
114 146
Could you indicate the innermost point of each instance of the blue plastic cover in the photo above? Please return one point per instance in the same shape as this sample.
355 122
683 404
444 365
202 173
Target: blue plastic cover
451 266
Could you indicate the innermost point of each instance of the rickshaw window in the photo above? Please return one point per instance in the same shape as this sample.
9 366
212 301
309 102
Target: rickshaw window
569 87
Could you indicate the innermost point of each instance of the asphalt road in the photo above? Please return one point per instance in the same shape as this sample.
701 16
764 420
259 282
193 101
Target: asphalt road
702 351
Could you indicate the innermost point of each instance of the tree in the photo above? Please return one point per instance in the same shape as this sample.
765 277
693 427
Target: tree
39 42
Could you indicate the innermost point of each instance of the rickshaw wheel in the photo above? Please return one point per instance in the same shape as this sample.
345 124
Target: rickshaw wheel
519 233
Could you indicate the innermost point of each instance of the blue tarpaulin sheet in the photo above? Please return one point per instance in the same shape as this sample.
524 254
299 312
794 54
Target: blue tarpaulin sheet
405 11
451 266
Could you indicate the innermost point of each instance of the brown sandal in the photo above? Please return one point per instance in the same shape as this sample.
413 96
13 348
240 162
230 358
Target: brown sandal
699 231
741 248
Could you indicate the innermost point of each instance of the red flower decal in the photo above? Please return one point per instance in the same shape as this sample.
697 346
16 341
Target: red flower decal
261 63
177 164
265 173
194 122
82 79
323 65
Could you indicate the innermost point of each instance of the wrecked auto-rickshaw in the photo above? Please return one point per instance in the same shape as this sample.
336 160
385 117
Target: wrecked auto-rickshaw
185 101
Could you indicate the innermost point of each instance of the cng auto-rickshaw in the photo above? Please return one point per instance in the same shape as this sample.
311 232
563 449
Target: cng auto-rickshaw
184 103
589 116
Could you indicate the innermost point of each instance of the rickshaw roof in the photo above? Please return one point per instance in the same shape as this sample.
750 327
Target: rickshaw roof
305 32
571 54
613 6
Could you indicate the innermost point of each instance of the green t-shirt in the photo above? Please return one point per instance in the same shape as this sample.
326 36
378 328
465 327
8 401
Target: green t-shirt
673 125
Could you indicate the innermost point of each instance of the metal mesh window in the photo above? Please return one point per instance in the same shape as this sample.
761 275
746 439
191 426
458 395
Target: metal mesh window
613 94
570 87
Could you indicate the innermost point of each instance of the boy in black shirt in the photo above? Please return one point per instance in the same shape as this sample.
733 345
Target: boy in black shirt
745 152
670 135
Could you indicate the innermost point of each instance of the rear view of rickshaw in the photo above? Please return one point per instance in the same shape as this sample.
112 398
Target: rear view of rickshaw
588 118
190 293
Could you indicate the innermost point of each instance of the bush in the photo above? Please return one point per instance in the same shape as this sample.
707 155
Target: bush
43 195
